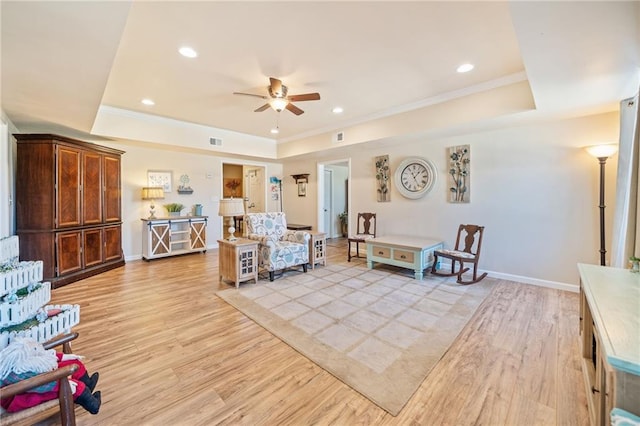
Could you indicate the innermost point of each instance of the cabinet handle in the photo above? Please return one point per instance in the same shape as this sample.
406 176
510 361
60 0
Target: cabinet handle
594 390
403 257
380 253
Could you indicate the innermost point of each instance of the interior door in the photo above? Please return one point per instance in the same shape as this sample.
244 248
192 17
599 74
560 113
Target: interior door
255 190
329 227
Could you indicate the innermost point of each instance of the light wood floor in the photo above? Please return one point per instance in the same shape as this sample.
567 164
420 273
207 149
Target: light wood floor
170 352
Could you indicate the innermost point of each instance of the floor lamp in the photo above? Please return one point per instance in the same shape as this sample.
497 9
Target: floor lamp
602 152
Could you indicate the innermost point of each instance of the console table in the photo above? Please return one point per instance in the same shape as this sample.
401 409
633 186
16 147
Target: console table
404 251
170 236
609 324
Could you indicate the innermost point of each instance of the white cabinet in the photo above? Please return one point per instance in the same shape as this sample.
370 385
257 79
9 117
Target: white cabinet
609 324
173 235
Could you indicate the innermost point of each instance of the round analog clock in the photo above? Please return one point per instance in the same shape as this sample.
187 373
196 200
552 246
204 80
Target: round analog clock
415 177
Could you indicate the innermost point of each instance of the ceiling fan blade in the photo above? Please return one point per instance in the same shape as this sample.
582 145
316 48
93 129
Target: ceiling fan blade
276 87
304 97
294 109
251 94
262 108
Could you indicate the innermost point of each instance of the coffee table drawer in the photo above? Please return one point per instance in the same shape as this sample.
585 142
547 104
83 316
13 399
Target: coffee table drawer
382 252
403 256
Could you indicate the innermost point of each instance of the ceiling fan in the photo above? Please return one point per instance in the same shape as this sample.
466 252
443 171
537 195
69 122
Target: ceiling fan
278 99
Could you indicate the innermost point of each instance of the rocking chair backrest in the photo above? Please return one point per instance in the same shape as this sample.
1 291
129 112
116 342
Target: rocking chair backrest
365 222
471 243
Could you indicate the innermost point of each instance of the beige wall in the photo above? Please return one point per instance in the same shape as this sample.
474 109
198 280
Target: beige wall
534 188
205 174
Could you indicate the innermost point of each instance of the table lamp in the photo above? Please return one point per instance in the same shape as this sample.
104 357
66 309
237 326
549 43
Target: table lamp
231 207
152 193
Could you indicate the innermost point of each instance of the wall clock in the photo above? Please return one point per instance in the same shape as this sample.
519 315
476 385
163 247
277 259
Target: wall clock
415 177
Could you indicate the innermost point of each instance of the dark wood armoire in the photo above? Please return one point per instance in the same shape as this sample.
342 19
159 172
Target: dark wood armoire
68 206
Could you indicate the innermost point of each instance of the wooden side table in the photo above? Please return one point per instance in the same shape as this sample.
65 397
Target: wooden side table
238 260
317 248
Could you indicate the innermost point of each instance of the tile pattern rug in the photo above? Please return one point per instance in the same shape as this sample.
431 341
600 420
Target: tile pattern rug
379 331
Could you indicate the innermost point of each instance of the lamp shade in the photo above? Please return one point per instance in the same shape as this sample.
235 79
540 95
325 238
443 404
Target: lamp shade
153 193
231 207
602 151
278 104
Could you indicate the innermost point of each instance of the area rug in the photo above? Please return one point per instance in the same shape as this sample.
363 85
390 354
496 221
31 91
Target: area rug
379 331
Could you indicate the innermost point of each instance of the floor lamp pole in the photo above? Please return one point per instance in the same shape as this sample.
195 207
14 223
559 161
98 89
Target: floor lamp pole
602 152
603 251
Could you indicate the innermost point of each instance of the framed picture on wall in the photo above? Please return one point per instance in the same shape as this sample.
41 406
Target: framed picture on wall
302 189
161 178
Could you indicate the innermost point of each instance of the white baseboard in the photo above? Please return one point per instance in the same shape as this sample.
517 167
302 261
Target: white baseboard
535 281
525 280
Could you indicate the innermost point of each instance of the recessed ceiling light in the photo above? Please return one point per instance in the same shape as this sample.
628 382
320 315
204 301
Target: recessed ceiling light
465 68
338 110
148 102
275 131
188 52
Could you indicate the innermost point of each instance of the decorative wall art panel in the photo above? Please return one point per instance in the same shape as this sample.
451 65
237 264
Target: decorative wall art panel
382 179
161 178
459 172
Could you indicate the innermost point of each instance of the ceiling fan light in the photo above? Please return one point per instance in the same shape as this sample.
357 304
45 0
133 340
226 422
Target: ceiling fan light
275 131
279 104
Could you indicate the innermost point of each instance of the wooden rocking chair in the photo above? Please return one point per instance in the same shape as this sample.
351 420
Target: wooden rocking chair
469 254
64 403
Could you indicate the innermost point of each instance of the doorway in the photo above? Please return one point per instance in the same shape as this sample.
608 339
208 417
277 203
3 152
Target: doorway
333 195
246 182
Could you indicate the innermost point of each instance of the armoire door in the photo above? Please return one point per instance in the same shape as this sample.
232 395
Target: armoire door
91 188
92 247
112 243
111 178
68 187
68 252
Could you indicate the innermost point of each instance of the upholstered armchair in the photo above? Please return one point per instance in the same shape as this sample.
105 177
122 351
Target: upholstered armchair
279 247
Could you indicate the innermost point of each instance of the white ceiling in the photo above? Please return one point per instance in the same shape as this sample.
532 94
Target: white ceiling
62 61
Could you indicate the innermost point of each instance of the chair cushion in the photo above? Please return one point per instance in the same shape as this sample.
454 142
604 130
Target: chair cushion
361 237
456 253
284 254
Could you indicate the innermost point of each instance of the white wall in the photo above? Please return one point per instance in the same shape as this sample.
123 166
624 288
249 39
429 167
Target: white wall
534 188
205 174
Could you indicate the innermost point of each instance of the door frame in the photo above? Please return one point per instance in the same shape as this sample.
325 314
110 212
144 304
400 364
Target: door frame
6 182
321 189
244 164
